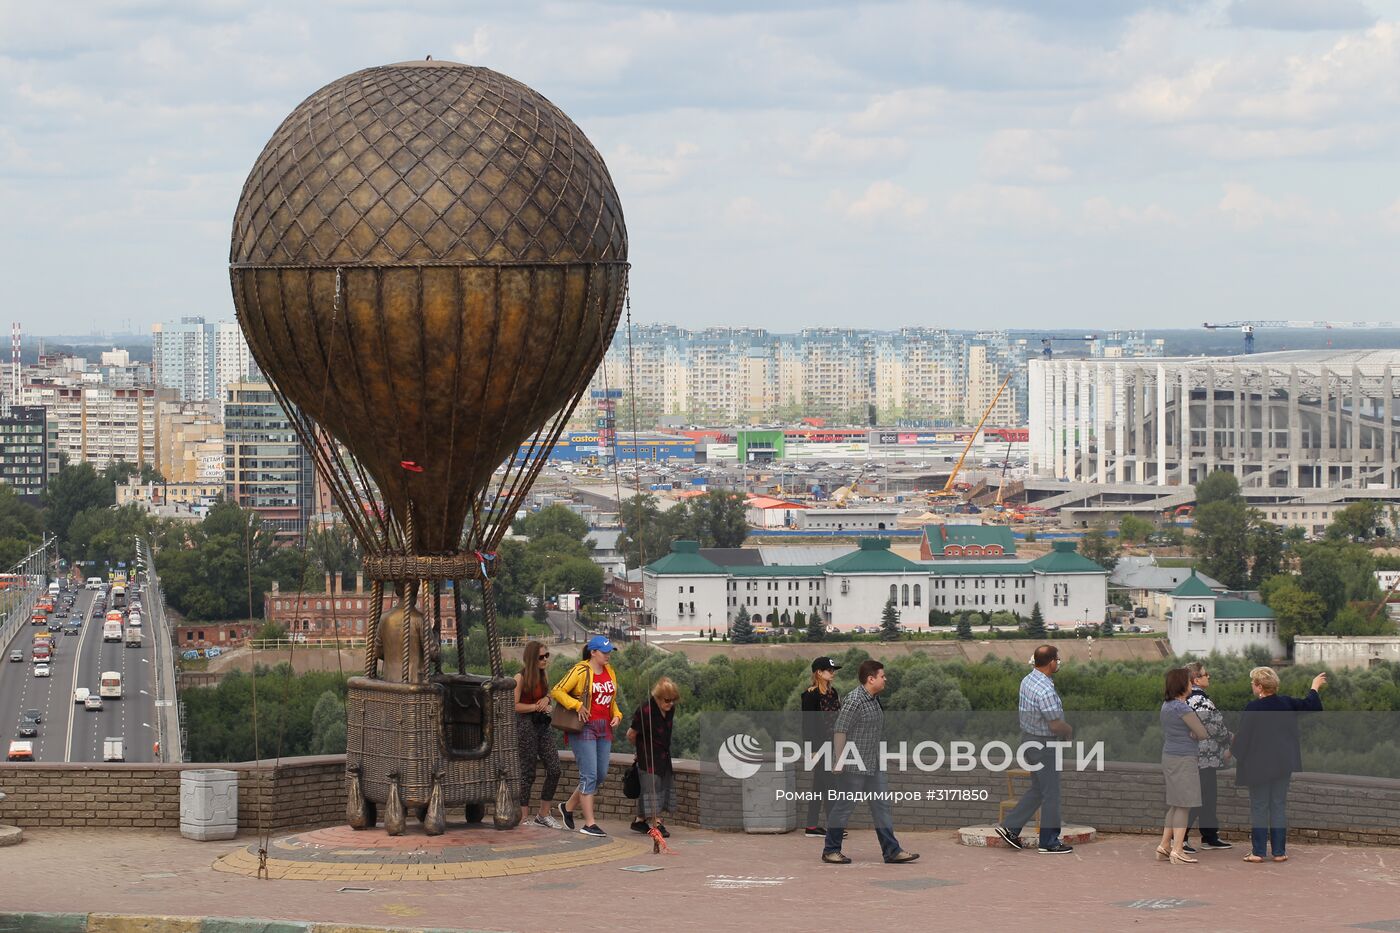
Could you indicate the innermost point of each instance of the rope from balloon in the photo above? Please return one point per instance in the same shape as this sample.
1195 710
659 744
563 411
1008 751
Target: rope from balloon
408 571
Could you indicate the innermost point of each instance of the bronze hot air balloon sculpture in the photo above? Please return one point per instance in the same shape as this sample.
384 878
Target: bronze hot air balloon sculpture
428 262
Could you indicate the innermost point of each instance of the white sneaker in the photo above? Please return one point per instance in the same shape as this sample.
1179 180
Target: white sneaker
548 822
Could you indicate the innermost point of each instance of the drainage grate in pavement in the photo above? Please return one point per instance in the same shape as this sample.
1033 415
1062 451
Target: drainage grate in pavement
1159 903
914 884
641 868
349 889
1391 926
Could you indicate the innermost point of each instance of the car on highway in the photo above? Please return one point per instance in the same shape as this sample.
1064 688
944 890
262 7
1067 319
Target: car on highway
80 694
32 715
92 702
27 730
73 628
41 670
21 751
17 656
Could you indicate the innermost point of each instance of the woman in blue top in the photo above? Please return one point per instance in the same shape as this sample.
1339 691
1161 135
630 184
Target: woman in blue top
1267 752
1181 730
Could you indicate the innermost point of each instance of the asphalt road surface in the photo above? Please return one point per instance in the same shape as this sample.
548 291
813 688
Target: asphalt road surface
68 731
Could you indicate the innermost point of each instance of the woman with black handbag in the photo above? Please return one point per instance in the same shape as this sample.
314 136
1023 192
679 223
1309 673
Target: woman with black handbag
589 693
534 735
650 735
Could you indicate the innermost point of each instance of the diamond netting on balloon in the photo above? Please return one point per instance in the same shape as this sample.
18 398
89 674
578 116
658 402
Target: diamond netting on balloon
428 164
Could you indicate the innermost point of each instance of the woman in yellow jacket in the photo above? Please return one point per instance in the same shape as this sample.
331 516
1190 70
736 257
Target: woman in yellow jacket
590 688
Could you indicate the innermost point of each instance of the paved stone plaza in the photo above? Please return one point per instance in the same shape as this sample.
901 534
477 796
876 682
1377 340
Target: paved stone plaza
730 882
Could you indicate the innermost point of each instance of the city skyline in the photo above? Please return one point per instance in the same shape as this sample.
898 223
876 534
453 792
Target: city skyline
797 163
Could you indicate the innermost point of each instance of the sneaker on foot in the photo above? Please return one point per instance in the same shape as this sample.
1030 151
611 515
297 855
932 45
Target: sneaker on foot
1217 844
593 829
566 817
836 858
640 826
1058 848
548 822
661 828
1010 838
814 831
1188 848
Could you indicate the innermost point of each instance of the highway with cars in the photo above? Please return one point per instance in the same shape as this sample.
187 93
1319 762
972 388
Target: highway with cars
68 731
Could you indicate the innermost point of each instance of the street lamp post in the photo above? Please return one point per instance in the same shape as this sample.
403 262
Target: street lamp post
709 622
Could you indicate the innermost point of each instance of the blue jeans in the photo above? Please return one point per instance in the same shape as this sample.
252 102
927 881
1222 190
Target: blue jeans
592 749
854 782
1268 806
1044 795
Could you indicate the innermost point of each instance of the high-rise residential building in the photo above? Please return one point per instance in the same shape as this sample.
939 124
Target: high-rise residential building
189 442
266 467
97 423
200 359
25 460
915 376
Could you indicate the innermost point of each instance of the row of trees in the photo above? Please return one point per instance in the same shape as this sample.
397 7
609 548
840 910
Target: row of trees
715 519
303 714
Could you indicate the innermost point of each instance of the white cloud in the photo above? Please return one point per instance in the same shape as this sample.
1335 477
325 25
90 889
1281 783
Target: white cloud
832 148
1012 206
1248 207
1022 155
1390 217
650 172
883 200
1300 14
902 109
1102 215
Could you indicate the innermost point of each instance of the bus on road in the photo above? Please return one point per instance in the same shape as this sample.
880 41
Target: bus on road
112 630
111 684
118 596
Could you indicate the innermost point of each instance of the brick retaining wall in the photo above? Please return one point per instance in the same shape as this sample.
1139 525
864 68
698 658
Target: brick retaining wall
306 792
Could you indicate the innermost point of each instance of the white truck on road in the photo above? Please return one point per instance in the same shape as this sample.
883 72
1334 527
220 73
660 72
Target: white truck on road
112 749
133 637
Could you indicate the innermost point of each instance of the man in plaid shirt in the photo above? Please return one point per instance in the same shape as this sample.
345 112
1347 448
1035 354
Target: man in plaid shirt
861 723
1042 718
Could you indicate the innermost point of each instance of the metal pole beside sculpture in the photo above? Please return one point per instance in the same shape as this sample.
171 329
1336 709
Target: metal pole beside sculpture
429 260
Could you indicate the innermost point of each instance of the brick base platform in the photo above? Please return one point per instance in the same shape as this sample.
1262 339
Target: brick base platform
339 853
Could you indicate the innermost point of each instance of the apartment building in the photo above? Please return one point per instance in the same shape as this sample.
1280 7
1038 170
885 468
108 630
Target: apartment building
25 461
266 468
189 442
98 423
200 359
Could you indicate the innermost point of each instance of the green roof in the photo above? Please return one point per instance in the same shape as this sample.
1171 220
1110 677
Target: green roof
684 560
776 570
979 568
1065 558
941 536
873 556
1194 586
1241 609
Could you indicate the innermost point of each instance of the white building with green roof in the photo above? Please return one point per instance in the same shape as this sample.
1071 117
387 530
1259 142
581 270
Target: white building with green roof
1204 621
685 591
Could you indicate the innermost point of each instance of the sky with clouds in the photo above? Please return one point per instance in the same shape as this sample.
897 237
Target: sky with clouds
782 163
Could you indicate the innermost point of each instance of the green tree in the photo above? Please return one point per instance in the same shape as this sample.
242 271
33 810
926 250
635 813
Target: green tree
76 488
539 613
20 525
333 549
1360 521
889 622
964 627
816 628
1135 529
270 631
1298 612
646 531
328 725
118 473
553 520
1222 540
1106 629
1219 486
715 519
1266 550
741 633
1035 628
1099 548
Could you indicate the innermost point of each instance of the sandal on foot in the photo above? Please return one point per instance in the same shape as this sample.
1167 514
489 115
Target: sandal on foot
1254 858
1280 858
1162 854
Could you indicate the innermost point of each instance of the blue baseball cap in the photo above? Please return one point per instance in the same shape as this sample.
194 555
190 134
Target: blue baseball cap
599 643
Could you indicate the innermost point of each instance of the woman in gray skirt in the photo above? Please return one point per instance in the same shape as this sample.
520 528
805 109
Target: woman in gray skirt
1181 730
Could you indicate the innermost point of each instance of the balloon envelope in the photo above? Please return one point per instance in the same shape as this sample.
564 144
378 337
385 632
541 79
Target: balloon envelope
429 260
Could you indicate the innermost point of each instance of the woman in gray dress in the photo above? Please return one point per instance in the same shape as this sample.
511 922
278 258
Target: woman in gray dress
1181 730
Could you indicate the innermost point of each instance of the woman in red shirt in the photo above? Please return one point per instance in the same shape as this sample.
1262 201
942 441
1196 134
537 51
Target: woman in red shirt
590 689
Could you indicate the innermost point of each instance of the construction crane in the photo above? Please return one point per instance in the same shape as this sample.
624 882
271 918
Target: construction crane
1248 327
1047 343
948 492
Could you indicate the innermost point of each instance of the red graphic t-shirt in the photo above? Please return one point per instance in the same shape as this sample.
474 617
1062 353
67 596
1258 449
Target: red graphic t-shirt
602 697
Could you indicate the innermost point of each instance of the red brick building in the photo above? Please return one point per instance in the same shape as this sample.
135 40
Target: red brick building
343 613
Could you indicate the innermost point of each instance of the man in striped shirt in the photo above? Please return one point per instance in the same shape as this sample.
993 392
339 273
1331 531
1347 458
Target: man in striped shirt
1042 718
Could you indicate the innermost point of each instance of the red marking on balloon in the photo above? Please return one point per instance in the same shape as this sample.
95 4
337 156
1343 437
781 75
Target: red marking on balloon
411 465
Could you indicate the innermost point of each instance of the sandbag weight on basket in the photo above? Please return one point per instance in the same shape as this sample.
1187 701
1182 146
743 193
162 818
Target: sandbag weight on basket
395 819
435 820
